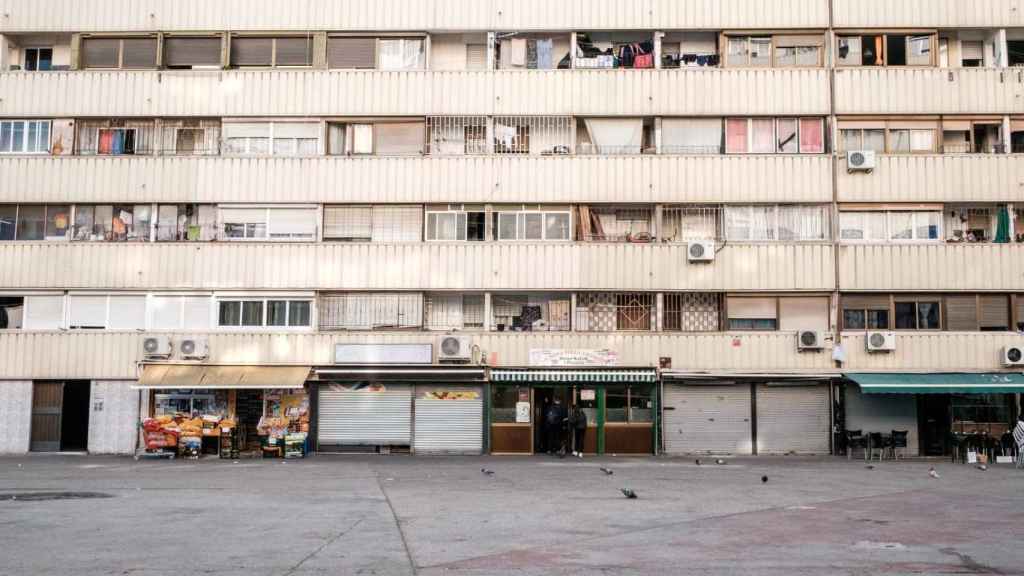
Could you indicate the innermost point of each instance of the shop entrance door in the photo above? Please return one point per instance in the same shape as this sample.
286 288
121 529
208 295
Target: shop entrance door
545 438
60 416
934 423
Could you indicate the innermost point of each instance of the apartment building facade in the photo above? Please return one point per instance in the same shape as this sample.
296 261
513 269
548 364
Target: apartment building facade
733 226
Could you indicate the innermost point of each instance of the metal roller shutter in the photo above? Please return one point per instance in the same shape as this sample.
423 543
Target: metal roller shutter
351 52
252 51
139 53
186 52
792 419
365 417
100 52
707 419
449 420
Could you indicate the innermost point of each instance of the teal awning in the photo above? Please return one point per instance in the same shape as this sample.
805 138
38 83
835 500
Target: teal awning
939 383
610 376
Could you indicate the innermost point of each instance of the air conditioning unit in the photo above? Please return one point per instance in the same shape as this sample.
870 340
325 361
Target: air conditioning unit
860 161
1013 356
701 252
156 347
455 349
809 340
880 341
194 349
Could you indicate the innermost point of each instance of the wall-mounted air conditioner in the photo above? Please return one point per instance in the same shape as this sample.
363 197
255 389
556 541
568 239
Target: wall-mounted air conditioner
860 161
810 340
700 252
194 349
455 349
156 347
880 341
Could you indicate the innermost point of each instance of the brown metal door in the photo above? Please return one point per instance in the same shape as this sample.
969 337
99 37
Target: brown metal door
47 399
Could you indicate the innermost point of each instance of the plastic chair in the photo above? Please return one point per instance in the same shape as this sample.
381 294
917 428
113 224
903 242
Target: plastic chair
856 439
898 442
877 441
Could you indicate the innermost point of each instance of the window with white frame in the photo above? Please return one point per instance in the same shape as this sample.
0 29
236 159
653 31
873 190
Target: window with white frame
179 312
775 135
455 223
24 136
401 54
786 223
890 226
278 313
533 225
269 223
106 312
271 138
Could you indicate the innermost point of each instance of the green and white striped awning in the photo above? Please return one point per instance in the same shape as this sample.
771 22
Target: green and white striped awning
606 376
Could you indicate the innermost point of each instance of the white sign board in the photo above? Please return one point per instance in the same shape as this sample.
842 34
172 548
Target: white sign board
573 358
522 412
588 395
383 354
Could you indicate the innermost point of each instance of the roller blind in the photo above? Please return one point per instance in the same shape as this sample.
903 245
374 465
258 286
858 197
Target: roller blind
296 130
691 135
995 312
809 313
397 224
100 52
197 312
961 313
246 130
616 134
88 312
127 313
698 43
243 215
351 52
972 50
44 312
293 222
295 51
866 302
352 223
165 312
400 138
139 53
800 40
192 51
252 51
956 125
751 308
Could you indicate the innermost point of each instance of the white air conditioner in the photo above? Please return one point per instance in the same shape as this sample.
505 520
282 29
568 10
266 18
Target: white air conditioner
809 340
194 349
860 161
455 349
156 347
700 252
880 341
1013 356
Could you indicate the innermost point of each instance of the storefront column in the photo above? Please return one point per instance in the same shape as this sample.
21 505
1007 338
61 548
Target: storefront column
655 419
600 419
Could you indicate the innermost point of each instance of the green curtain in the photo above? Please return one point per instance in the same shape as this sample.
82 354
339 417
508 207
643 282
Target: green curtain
1003 226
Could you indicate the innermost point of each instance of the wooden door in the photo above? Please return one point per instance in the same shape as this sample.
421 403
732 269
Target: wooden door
47 400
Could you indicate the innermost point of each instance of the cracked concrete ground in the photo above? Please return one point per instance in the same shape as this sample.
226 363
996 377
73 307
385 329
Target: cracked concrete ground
432 516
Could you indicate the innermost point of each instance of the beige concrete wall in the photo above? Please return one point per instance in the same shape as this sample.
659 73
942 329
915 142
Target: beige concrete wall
932 267
926 13
929 91
936 178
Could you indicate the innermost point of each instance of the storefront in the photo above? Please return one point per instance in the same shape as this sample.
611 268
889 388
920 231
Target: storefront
621 406
230 411
745 414
943 413
389 409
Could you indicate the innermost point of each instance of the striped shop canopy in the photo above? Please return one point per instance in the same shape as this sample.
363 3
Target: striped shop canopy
573 376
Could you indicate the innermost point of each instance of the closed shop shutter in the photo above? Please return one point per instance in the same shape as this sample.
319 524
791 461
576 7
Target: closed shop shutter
351 52
295 51
379 416
962 313
252 51
100 52
139 53
449 420
188 52
792 419
707 419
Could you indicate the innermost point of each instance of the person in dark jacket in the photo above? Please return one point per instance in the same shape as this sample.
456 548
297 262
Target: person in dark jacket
554 421
578 420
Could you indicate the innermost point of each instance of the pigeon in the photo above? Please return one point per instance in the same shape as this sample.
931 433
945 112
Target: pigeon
628 493
697 462
870 466
487 472
764 479
981 467
719 461
607 471
933 473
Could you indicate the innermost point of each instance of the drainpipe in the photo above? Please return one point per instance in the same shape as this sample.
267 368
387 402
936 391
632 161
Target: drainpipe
834 130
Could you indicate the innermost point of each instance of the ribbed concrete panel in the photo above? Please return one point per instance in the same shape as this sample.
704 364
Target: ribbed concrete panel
932 267
382 93
927 13
666 179
935 352
188 15
936 178
268 266
929 91
115 354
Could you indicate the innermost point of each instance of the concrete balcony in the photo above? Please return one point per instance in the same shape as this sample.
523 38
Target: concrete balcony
114 355
936 178
932 352
377 93
926 14
540 179
417 15
932 267
422 266
929 90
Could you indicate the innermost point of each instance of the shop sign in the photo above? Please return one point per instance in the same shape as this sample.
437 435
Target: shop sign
383 354
451 395
588 394
573 357
522 412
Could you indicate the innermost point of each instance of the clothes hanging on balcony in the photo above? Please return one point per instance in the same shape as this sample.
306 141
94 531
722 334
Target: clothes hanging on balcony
544 54
1002 226
517 52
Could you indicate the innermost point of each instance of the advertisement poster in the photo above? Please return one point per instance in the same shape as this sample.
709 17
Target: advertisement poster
561 357
522 412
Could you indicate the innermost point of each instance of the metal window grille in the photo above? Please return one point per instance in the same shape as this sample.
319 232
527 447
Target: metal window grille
615 312
688 223
456 135
617 223
530 312
369 311
146 137
545 135
454 311
692 312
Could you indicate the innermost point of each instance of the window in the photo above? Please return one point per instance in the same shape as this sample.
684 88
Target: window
788 223
34 221
261 223
750 51
881 226
691 136
456 135
116 141
113 223
914 225
616 223
539 312
31 222
615 312
24 137
769 135
504 400
454 311
106 312
869 312
373 223
628 404
692 312
747 313
781 51
272 313
12 312
186 222
551 226
186 53
138 53
455 224
798 51
38 59
359 52
179 312
862 139
371 311
913 314
887 50
272 138
271 52
694 222
972 313
351 53
401 54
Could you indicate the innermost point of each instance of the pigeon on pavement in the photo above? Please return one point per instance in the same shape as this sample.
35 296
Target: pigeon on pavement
764 479
697 462
487 472
607 471
719 461
629 493
933 473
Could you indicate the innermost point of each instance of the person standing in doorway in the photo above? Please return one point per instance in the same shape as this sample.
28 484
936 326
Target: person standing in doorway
578 422
554 421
